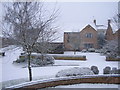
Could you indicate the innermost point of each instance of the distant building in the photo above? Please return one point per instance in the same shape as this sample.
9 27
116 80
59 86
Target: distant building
88 37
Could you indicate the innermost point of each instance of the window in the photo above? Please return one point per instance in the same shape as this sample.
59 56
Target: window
88 45
89 35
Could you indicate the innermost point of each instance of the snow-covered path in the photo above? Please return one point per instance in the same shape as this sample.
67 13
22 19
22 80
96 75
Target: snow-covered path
10 71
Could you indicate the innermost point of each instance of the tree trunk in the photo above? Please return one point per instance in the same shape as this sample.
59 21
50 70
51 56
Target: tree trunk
29 66
74 51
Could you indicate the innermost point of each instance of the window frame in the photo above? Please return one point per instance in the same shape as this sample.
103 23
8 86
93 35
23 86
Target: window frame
89 35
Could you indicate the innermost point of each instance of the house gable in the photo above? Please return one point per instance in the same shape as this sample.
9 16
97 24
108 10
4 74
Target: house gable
88 27
88 35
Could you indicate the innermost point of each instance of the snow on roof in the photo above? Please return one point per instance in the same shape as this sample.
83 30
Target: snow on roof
114 27
101 27
92 25
96 27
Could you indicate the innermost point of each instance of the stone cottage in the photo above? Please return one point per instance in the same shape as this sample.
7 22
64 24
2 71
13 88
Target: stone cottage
88 37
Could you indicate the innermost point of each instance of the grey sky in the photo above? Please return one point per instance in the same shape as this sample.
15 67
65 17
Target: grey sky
75 15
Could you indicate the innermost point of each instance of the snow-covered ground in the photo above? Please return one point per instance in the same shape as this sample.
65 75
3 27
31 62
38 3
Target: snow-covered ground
92 59
83 85
11 72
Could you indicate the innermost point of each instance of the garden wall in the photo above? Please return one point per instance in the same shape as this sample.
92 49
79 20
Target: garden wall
114 79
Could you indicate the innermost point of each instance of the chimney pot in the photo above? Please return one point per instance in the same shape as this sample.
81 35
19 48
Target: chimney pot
109 21
94 22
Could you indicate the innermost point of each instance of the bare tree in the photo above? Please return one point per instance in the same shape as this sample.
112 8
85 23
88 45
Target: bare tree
74 40
116 20
26 24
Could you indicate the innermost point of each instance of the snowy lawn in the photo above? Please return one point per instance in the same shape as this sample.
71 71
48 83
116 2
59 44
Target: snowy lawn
93 59
11 72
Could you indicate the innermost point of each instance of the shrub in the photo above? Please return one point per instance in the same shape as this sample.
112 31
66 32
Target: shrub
84 50
95 69
107 70
76 71
20 60
114 71
36 60
91 50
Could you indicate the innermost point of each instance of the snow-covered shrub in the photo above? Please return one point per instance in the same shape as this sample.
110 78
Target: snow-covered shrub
111 48
98 51
84 50
36 59
118 71
46 60
107 70
91 50
95 69
76 71
20 60
113 71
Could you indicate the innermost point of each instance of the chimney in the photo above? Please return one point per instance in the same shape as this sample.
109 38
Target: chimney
94 22
109 21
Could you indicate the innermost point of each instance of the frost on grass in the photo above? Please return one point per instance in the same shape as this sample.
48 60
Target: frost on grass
76 71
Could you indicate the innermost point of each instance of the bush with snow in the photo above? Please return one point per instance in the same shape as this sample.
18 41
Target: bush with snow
95 69
76 71
84 50
107 70
98 51
36 60
91 50
113 71
111 49
46 60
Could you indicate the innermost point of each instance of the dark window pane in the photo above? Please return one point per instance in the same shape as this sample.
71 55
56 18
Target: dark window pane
89 35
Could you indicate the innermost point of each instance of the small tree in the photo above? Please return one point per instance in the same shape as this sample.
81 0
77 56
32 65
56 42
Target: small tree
111 48
74 41
26 22
116 20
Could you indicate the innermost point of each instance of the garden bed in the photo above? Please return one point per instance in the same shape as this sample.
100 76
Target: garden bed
65 57
112 59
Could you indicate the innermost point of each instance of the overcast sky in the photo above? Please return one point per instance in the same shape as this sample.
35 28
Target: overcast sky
75 15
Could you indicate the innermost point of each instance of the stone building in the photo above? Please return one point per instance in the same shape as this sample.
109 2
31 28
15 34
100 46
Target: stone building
92 36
